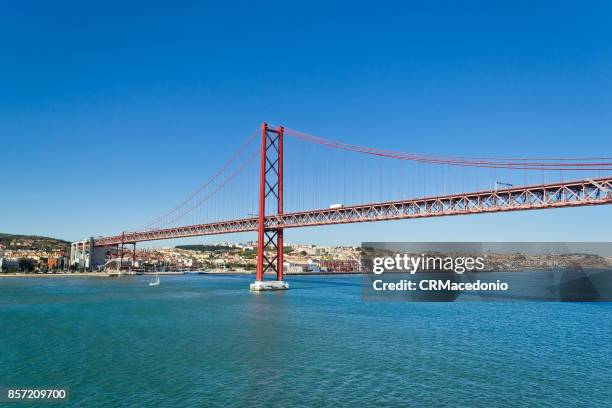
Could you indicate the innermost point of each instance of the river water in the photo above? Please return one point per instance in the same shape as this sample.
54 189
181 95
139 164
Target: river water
205 340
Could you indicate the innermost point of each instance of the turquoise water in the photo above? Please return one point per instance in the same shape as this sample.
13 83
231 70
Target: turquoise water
207 341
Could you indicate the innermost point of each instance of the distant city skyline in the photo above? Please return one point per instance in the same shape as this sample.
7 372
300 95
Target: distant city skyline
103 129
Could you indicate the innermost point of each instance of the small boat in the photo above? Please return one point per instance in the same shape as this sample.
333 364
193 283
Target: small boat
155 282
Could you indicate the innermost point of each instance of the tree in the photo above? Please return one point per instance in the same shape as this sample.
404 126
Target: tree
249 253
26 265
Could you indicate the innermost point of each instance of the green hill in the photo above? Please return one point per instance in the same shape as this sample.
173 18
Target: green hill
14 241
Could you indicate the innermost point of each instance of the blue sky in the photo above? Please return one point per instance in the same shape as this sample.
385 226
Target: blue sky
112 112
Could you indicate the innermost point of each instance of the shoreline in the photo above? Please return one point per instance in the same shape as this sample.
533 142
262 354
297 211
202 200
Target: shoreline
113 274
82 274
51 275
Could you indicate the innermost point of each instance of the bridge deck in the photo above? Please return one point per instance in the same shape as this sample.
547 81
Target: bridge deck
566 194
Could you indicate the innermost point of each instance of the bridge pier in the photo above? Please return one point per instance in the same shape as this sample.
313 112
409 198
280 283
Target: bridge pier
262 286
86 256
270 240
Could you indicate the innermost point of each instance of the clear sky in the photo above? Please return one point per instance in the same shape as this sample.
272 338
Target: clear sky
111 112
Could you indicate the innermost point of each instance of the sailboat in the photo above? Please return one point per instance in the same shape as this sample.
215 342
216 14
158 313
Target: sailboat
155 282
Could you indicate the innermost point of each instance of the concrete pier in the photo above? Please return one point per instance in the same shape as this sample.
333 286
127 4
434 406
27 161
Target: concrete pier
261 286
86 256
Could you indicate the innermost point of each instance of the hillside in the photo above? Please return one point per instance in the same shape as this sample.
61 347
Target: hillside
207 248
14 242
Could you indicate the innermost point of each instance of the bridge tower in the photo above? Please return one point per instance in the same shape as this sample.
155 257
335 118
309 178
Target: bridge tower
270 240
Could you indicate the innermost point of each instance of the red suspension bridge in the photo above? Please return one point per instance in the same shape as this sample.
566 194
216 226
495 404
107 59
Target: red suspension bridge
346 183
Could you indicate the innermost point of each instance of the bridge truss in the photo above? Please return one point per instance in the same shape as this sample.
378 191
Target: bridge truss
558 195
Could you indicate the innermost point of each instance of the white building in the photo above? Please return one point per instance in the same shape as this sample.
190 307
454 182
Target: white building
6 264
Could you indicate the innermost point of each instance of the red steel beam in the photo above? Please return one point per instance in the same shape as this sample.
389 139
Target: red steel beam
536 197
279 231
262 204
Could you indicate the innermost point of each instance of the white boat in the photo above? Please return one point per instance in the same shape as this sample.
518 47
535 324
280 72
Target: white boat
155 282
